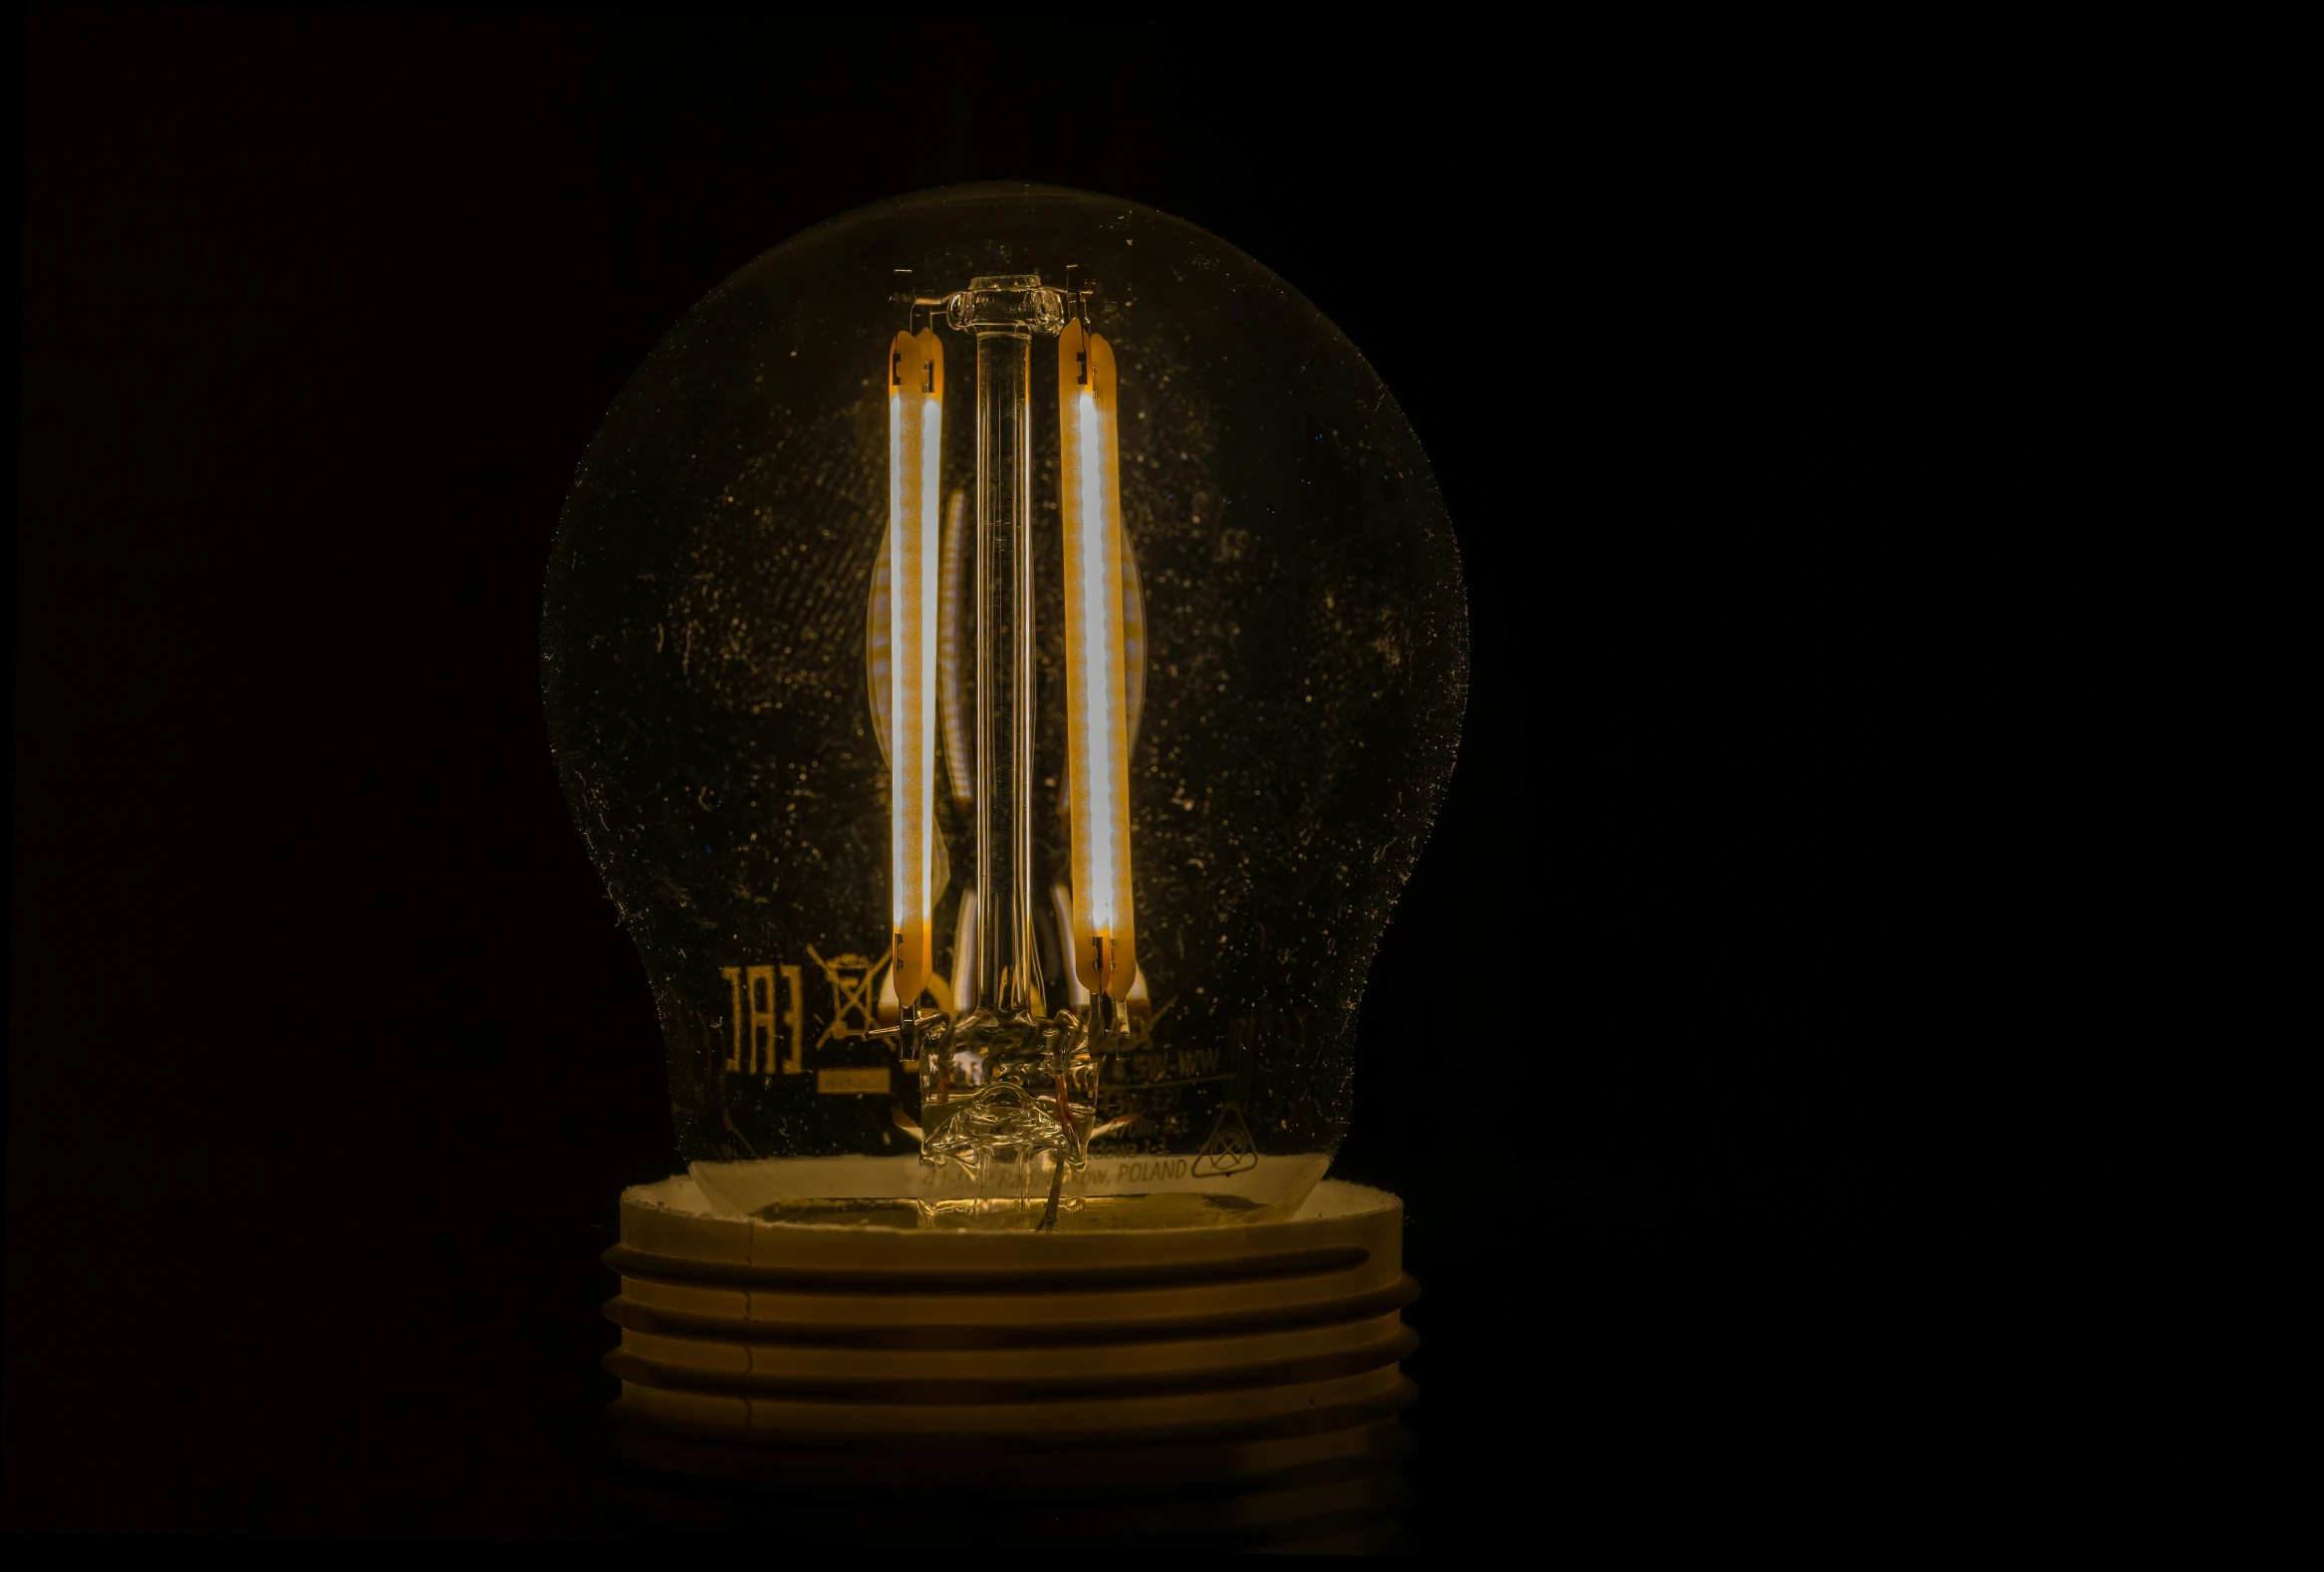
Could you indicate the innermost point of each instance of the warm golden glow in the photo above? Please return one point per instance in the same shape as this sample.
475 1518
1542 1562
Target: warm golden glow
916 406
1096 715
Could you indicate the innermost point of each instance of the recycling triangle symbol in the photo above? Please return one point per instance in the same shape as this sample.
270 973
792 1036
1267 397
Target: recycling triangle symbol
1231 1149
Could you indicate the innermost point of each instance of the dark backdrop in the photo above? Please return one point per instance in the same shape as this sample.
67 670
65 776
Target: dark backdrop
1882 616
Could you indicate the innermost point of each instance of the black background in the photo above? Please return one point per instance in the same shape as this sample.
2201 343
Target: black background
1834 1050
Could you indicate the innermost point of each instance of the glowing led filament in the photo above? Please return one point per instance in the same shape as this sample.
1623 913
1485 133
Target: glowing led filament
916 405
1097 721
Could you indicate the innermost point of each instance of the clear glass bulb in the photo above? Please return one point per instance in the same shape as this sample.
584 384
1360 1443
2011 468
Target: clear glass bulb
1287 672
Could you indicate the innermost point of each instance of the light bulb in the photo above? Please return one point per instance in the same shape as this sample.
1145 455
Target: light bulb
1004 651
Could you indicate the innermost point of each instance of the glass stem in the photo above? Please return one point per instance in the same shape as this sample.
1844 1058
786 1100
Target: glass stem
1005 962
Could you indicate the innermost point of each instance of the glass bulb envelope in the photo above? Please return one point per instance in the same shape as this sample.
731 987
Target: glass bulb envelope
787 745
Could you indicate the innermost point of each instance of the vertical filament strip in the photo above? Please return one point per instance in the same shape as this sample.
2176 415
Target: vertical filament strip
1100 706
928 583
915 394
1096 721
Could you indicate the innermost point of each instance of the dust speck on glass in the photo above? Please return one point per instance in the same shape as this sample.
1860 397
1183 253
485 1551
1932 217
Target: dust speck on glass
1295 651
